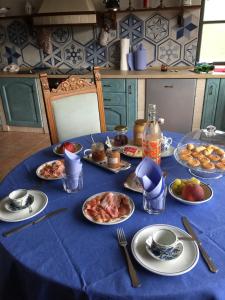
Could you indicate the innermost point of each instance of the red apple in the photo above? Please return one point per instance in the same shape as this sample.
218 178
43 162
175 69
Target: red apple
193 192
68 146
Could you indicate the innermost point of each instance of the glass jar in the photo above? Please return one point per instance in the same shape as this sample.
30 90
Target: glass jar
138 131
113 157
120 138
98 152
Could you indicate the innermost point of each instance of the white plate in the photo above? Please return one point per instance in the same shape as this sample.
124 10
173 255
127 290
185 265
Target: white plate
183 264
132 183
168 152
208 195
78 146
10 207
42 166
116 221
129 154
40 202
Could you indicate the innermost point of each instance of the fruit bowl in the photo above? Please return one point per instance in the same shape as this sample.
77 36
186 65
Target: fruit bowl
178 195
72 147
203 152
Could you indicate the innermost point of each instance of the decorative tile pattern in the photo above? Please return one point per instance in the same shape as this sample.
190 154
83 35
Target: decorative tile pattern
151 51
156 28
18 33
188 31
114 54
11 54
54 59
190 50
83 34
131 27
31 55
61 34
169 52
95 54
2 35
74 54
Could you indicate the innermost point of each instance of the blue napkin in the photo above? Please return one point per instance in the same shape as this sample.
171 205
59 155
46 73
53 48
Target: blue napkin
151 178
73 165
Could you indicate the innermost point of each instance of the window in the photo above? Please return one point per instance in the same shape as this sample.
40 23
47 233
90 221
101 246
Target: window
212 40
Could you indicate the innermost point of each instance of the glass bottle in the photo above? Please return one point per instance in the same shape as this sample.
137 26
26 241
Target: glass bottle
120 138
151 143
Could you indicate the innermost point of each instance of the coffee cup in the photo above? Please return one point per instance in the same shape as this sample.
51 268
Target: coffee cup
166 143
19 198
97 152
163 244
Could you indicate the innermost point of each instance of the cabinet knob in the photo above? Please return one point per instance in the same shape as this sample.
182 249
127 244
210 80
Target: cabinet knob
107 99
129 89
168 86
107 85
211 90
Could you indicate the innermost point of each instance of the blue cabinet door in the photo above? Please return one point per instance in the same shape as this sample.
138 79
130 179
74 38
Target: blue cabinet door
115 115
21 102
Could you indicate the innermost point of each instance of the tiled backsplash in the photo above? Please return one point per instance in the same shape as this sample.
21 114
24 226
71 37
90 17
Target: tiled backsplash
78 46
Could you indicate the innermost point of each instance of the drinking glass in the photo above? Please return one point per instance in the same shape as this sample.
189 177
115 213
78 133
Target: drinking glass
73 183
154 205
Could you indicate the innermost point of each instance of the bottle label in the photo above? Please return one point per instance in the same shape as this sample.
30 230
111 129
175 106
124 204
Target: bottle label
152 149
113 160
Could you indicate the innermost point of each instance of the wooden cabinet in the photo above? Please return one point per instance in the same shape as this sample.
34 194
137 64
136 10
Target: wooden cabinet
120 100
214 104
20 100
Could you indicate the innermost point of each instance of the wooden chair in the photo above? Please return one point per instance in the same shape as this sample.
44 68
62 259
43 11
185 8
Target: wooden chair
74 108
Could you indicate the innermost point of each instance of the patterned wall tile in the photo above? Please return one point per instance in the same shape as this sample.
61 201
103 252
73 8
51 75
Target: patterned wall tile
61 34
95 54
12 54
114 54
169 52
83 34
31 55
131 27
156 28
151 51
74 54
190 50
2 35
186 32
53 59
18 33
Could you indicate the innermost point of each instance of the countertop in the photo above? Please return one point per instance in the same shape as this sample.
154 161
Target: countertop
109 73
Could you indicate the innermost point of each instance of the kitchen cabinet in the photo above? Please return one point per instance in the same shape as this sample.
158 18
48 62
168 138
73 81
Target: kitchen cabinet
20 100
174 99
120 102
214 104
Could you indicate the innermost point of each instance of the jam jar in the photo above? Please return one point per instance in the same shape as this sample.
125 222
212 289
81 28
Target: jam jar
113 157
98 152
120 138
138 131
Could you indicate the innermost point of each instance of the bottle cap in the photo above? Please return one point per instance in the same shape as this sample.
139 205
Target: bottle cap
121 128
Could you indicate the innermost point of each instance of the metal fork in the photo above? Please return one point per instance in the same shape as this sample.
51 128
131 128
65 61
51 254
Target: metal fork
123 243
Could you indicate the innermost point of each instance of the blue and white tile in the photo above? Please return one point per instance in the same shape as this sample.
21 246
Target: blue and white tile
182 63
18 33
61 34
31 55
114 54
2 35
131 27
156 28
12 54
187 32
73 54
190 50
96 54
55 58
83 34
169 52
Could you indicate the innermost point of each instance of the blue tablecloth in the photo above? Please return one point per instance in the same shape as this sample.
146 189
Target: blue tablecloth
68 257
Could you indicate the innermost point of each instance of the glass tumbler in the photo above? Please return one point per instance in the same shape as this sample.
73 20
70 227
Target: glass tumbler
154 205
73 183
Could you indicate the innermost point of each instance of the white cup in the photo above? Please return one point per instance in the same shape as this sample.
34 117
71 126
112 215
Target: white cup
166 143
19 197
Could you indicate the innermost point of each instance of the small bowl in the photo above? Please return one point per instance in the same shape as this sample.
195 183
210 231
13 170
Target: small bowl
78 146
19 198
208 195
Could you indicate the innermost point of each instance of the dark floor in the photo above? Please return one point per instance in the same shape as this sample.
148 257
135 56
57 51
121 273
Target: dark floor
16 146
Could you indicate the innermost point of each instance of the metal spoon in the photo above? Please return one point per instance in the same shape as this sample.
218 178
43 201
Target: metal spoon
93 141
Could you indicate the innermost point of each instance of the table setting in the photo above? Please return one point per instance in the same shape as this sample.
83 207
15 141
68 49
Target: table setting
153 243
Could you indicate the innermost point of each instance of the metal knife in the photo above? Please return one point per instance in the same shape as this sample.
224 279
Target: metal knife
206 257
44 217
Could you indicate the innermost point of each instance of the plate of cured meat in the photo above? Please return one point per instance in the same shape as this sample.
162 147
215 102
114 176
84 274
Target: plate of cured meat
108 208
51 170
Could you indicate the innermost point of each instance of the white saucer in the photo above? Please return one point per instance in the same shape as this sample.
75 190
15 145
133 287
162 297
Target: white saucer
183 264
40 202
168 152
12 208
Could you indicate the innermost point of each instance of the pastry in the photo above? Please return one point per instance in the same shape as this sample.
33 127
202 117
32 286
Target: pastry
195 154
220 165
204 159
185 157
200 148
184 151
220 152
208 165
190 146
208 151
214 157
193 162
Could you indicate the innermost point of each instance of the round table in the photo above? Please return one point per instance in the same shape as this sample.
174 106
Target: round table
68 257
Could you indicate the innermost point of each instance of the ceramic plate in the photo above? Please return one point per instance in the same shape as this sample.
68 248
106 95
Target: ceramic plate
208 195
49 163
168 152
183 264
40 202
78 146
132 183
115 221
131 151
12 208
